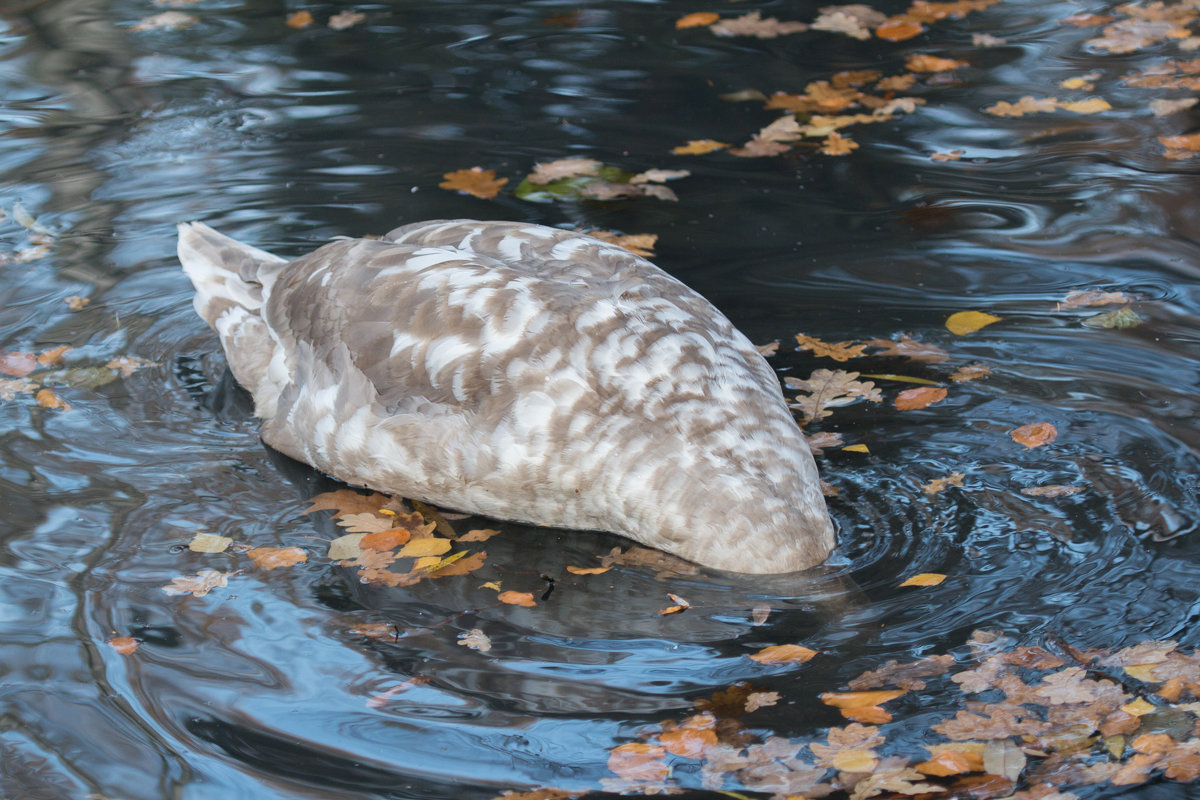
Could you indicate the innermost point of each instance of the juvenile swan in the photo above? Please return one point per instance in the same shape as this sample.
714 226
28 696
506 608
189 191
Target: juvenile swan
524 373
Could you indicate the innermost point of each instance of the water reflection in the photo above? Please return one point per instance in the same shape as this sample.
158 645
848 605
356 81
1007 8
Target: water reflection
278 685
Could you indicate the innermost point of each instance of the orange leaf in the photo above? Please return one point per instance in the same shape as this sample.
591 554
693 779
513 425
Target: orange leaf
925 579
911 399
687 742
517 598
48 399
965 322
871 715
274 557
1189 141
783 654
698 147
301 19
18 365
587 570
53 356
476 181
926 63
124 644
897 30
951 762
1035 434
385 540
638 761
698 19
852 699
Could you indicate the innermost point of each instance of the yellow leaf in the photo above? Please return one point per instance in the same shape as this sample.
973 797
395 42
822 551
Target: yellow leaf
1138 707
1093 105
493 585
925 579
852 699
889 376
418 548
965 322
1142 672
855 760
209 543
425 562
783 654
587 570
856 448
926 63
698 147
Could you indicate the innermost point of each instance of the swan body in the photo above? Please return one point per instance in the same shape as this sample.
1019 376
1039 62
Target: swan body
524 373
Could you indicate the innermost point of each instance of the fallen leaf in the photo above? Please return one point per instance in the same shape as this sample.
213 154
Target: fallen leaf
457 564
125 645
853 699
680 605
1026 105
345 19
1161 108
479 535
1093 105
199 584
1078 298
1053 490
856 448
476 640
561 169
828 389
921 397
898 30
906 676
476 181
925 579
687 742
964 322
637 761
18 365
364 522
166 21
757 700
950 762
1035 434
1124 317
300 19
697 19
345 548
819 441
837 145
641 244
9 389
659 176
1003 757
838 351
759 614
127 365
697 147
753 24
926 63
939 484
52 357
419 548
970 372
76 303
270 558
209 543
517 598
48 399
587 570
783 654
767 350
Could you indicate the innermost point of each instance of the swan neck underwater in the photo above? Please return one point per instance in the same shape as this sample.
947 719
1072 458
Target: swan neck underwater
520 372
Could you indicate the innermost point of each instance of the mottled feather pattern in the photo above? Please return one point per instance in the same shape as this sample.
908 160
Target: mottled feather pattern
532 374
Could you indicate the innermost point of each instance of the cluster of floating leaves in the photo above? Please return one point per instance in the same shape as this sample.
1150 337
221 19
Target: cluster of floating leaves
824 390
41 374
1027 723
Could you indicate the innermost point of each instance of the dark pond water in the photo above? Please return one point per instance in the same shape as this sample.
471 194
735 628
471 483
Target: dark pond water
285 137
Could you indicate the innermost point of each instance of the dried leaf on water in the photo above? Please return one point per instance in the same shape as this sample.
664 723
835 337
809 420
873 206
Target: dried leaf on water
1035 434
209 543
830 388
939 484
964 322
921 397
270 558
753 24
300 19
697 147
48 399
1124 317
125 645
925 579
199 584
838 351
476 181
970 372
697 19
475 639
783 654
517 598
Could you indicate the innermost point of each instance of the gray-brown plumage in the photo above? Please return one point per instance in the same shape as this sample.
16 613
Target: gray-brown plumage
524 373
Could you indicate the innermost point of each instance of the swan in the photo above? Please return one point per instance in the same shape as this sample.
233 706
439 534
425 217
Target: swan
524 373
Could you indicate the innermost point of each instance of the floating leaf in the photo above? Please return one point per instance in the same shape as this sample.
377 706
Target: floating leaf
838 351
270 558
697 147
550 171
687 742
637 761
300 19
641 244
388 539
965 322
364 522
925 579
166 21
125 645
475 639
926 63
18 365
970 372
1035 434
753 24
209 543
517 598
1026 105
199 584
837 145
76 303
1051 491
345 19
345 548
697 19
1124 317
921 397
830 388
898 30
939 484
52 357
1093 105
587 570
476 181
419 548
479 535
1092 297
856 448
783 654
48 399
